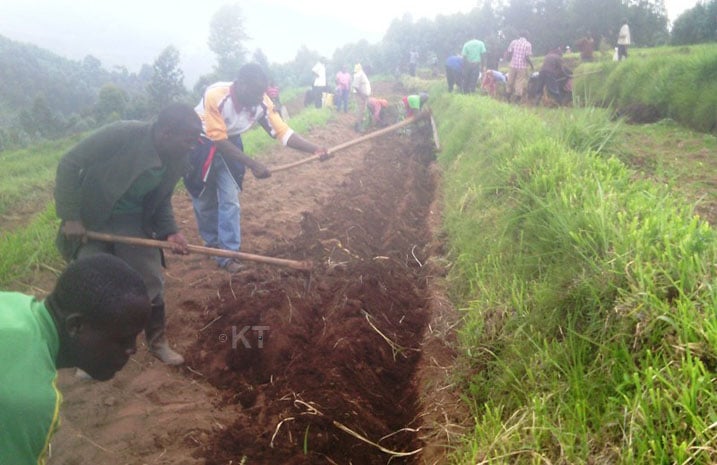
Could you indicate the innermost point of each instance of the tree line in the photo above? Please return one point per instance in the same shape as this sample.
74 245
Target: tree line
43 96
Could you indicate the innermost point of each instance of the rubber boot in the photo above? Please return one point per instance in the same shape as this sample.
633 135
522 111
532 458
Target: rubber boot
83 375
156 338
159 347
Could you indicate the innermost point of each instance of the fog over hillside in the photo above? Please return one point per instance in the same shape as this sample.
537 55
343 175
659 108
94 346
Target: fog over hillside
132 33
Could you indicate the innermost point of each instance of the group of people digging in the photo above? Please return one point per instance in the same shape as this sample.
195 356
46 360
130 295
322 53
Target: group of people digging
520 83
120 180
371 110
554 79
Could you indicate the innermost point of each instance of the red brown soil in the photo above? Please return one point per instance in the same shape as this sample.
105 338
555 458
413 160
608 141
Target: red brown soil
290 367
337 345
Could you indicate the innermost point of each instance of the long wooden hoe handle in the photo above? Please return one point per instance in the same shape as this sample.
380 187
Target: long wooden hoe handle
297 265
436 141
353 142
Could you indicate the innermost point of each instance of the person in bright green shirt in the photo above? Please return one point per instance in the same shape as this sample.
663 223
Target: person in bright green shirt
90 320
414 103
472 54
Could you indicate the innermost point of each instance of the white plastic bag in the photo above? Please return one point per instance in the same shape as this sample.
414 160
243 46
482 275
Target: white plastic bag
615 56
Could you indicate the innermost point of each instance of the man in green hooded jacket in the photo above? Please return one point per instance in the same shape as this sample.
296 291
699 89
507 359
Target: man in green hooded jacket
120 181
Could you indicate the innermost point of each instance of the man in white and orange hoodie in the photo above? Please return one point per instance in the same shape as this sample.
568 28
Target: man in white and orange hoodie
227 110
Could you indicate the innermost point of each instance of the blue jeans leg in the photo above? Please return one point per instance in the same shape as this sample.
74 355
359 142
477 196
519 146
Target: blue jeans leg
345 100
205 211
218 212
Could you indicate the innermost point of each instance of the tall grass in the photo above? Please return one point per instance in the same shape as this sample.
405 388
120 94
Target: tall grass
27 175
678 82
589 295
28 248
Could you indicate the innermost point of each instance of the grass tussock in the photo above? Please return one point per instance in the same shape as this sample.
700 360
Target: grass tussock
589 295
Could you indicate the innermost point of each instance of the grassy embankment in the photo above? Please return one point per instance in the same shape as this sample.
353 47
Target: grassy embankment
588 289
669 82
28 179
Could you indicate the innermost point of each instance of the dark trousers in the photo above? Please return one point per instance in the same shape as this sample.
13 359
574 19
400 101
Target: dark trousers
621 51
554 85
144 260
342 102
154 330
471 71
318 95
453 76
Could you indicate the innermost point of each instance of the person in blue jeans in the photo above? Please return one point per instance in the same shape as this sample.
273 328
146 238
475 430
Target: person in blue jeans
343 89
218 162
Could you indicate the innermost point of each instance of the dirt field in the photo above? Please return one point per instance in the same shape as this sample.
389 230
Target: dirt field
347 364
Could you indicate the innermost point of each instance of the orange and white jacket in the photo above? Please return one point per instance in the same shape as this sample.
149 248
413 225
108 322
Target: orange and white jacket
222 119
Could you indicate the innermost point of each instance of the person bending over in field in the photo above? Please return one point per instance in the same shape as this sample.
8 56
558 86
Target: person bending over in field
377 111
555 77
413 103
120 181
90 320
218 163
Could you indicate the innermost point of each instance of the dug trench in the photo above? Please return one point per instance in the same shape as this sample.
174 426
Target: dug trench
354 360
361 350
322 364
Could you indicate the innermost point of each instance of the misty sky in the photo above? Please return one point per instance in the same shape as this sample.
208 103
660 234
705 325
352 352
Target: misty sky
132 32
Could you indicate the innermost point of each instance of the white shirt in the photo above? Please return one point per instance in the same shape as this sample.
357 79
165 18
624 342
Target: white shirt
361 84
320 71
624 37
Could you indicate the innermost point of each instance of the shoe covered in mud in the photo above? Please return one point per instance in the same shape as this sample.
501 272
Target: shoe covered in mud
233 267
160 349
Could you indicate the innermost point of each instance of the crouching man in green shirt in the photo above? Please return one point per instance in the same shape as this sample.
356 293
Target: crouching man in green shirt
90 321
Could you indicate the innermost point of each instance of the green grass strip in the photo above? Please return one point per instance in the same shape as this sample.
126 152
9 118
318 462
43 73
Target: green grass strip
588 294
28 175
26 249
